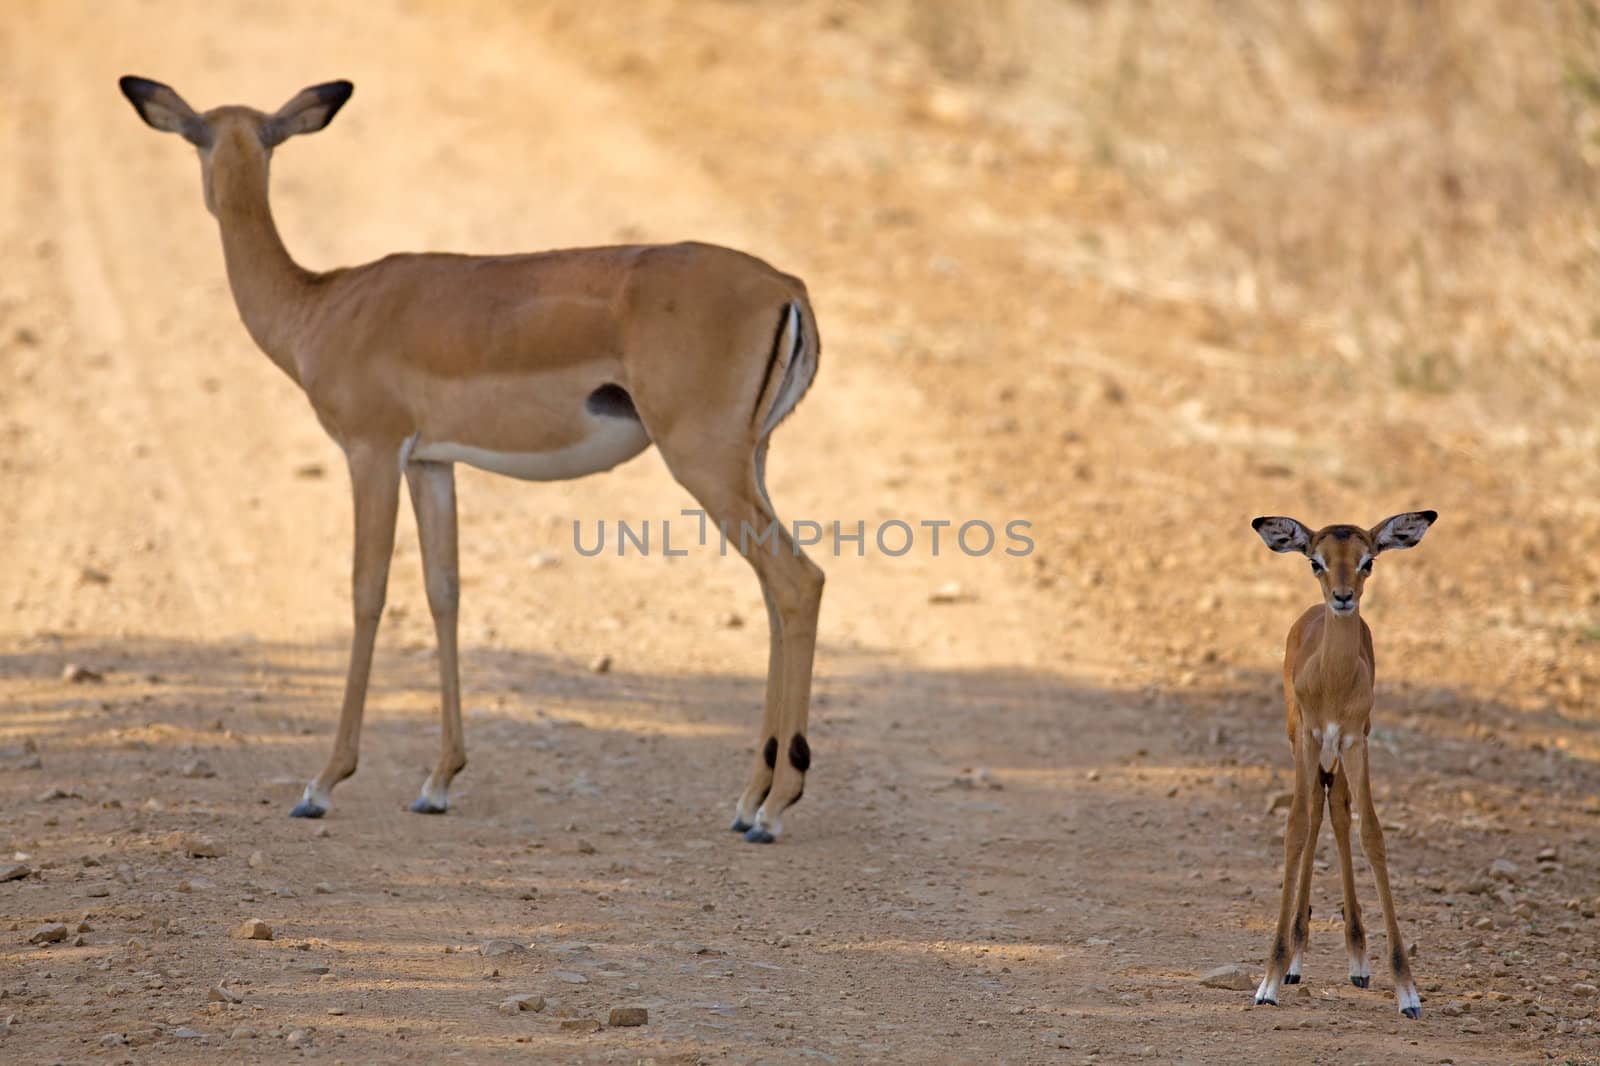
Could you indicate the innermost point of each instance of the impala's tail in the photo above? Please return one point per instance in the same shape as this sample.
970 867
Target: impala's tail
790 367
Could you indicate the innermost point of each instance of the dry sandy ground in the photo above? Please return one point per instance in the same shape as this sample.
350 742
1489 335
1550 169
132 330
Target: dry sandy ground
1037 814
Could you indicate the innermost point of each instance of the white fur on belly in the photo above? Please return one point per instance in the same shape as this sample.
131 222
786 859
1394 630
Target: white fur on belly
610 441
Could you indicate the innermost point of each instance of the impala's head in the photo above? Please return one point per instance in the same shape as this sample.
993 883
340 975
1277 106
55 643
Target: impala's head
234 139
1341 556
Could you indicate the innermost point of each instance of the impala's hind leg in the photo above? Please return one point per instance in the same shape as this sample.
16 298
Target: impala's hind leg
755 793
1355 935
433 497
375 483
730 489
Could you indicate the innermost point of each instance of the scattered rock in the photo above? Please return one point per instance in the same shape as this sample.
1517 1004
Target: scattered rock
494 948
50 795
48 934
323 888
949 592
1233 977
185 1033
298 1038
220 993
600 664
1485 922
257 860
544 560
113 1040
15 871
1584 988
309 471
1281 801
582 1025
197 768
569 977
76 674
730 620
628 1016
90 575
529 1001
585 848
197 846
252 929
1504 870
242 1032
1548 854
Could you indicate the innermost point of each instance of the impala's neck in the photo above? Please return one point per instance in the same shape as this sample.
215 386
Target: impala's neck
272 292
1341 646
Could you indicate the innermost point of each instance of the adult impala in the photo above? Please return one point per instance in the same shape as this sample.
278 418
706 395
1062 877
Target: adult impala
544 366
1327 689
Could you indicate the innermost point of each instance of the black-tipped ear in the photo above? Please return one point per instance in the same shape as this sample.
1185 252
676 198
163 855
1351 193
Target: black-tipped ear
1402 530
309 111
1283 534
163 109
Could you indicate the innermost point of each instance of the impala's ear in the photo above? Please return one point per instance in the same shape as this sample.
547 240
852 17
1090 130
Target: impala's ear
165 110
1402 530
309 111
1283 534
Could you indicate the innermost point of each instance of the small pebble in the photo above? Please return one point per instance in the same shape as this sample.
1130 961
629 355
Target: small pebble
1233 977
15 871
528 1001
629 1016
252 929
48 934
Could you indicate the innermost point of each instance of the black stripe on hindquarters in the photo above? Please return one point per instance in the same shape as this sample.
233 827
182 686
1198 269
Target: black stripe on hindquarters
772 360
611 401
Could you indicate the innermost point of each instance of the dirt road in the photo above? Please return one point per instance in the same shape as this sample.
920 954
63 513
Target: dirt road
1039 808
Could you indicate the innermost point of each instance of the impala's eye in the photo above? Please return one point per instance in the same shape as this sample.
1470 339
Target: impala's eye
1317 568
1366 567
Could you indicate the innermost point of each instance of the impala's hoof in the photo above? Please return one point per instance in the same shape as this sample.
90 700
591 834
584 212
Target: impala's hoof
1262 1001
1411 1012
1291 978
424 805
740 826
758 835
1361 982
307 809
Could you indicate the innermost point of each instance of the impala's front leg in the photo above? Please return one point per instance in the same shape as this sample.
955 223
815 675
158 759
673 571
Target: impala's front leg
1296 854
375 482
1405 989
433 497
1301 930
1355 934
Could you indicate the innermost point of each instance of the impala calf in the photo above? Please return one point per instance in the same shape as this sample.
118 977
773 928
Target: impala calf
1327 691
543 366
